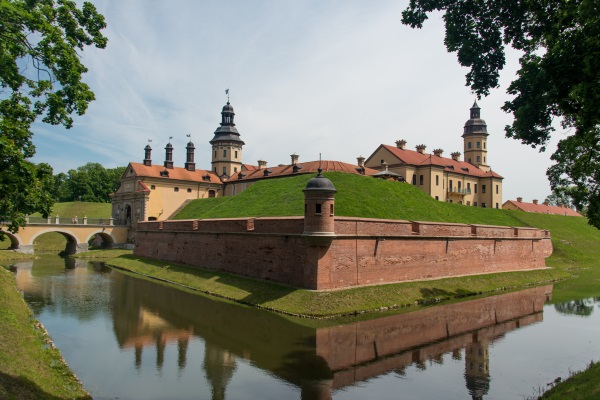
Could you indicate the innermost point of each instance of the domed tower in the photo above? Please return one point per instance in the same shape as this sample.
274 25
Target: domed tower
226 145
319 203
475 139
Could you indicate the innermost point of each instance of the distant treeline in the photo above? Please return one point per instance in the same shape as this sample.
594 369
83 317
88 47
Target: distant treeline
91 182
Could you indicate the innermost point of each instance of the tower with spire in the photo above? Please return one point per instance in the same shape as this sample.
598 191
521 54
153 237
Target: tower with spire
226 145
475 139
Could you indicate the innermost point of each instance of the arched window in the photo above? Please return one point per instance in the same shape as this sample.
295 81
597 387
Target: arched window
177 189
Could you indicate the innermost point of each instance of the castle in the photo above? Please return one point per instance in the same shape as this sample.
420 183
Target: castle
154 192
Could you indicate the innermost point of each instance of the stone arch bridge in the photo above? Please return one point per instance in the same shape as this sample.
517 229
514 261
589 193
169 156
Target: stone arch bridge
77 233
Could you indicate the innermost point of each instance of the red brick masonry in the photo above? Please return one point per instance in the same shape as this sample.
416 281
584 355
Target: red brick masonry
362 252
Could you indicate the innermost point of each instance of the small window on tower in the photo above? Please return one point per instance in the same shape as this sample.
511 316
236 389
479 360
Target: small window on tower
331 210
478 159
318 208
224 153
469 145
235 154
478 145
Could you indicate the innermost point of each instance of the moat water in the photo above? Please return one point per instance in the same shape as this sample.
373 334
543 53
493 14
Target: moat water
130 338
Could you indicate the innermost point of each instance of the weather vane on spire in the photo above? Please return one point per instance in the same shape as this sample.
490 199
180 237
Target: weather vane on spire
227 93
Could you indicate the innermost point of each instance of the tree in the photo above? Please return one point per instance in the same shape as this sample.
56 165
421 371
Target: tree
558 79
40 76
90 182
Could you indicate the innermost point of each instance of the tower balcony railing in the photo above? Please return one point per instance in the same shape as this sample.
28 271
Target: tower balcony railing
460 191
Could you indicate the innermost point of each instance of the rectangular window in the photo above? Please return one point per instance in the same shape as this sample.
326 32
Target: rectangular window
189 190
468 203
482 188
414 180
475 188
469 187
478 145
483 205
224 153
474 204
437 180
318 208
497 205
469 145
224 170
450 185
235 154
497 189
421 180
459 185
234 169
478 159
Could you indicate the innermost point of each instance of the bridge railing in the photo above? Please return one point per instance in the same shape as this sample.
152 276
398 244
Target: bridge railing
73 221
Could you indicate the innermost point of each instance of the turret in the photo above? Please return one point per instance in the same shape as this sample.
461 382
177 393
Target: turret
227 145
475 139
319 210
148 155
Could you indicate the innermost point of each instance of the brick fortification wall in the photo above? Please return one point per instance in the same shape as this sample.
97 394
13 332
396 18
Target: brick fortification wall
362 252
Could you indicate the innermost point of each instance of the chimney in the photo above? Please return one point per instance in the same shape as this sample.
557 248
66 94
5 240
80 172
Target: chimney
169 156
421 148
455 155
262 164
401 144
147 158
190 165
520 199
438 152
295 158
546 203
535 201
361 161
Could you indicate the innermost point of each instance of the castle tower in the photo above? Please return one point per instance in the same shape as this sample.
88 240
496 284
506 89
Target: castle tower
169 156
148 155
477 368
319 202
190 165
475 139
226 145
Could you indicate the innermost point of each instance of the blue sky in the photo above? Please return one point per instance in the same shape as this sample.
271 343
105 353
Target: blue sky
307 77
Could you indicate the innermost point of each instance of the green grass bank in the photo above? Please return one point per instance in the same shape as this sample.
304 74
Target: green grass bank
583 385
30 367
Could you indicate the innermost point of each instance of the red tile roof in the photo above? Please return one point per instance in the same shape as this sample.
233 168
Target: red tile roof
177 173
417 159
542 208
306 167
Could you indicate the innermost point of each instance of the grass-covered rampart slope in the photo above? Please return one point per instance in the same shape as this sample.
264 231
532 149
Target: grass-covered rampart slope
357 196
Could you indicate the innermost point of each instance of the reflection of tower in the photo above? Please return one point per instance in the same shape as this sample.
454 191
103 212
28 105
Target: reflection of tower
477 368
219 365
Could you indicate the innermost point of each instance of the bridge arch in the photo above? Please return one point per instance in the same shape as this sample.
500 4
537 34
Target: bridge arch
73 245
107 239
15 239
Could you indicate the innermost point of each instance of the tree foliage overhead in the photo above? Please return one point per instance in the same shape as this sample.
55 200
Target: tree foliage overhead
559 76
40 77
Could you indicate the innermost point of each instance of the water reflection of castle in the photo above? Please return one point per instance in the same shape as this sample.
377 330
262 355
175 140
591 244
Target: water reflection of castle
321 360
